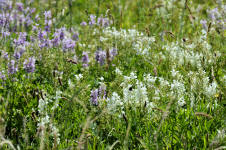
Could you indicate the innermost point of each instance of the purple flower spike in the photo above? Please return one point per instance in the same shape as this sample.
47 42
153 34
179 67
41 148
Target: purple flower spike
75 36
5 55
94 97
102 91
16 55
2 75
22 50
68 44
100 57
113 53
47 15
12 68
85 58
20 6
92 20
103 22
29 65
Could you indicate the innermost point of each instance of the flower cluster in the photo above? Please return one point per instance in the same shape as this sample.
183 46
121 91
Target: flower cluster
98 94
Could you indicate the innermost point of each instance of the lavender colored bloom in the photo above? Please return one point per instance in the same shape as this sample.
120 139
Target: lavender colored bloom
75 36
5 34
103 22
41 35
48 24
68 44
45 43
34 28
55 41
22 50
32 39
12 68
47 15
83 23
16 55
204 24
92 20
2 75
20 6
85 65
213 14
94 97
29 65
37 18
102 91
61 33
113 53
5 55
28 21
2 3
32 10
85 58
100 57
21 39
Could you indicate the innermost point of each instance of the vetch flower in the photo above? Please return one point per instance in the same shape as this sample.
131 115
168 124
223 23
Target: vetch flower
75 36
85 58
92 20
113 53
100 57
68 44
94 97
29 65
102 91
12 67
20 6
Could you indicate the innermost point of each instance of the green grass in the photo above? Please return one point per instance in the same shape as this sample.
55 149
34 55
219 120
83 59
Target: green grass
176 101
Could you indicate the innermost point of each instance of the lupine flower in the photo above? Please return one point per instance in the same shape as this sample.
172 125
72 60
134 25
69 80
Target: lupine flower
94 97
12 68
29 65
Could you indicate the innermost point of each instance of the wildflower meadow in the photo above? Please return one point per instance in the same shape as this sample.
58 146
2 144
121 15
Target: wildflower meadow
112 74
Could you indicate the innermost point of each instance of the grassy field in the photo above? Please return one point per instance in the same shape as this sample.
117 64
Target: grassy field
112 74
